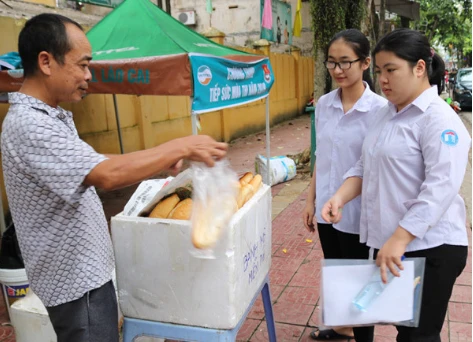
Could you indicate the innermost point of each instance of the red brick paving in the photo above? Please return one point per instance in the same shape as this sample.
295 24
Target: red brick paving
461 294
248 328
300 295
460 332
459 312
284 332
465 278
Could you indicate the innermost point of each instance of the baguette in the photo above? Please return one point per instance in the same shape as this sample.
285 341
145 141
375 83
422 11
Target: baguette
246 178
164 207
182 211
244 194
256 182
207 225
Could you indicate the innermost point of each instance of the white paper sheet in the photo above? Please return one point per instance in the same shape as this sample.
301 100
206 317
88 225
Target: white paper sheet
341 284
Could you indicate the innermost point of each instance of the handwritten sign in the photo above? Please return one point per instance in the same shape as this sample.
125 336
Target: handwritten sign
254 257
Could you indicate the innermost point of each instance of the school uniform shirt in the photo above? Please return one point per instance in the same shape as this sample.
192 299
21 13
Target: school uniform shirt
339 137
60 223
412 164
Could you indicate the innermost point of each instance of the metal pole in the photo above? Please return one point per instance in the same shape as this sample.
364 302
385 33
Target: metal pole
193 119
168 7
194 124
117 116
268 137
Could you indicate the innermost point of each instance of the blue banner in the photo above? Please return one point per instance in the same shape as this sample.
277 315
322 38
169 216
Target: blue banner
222 83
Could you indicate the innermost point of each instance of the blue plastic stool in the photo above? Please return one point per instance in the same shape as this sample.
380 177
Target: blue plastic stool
133 328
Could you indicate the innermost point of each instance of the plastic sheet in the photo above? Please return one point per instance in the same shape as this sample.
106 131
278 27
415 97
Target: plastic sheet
419 266
214 203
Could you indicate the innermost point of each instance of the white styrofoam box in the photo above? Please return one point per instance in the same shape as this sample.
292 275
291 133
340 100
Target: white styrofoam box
31 320
160 280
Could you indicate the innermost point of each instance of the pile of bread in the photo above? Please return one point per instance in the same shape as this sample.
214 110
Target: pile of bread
178 205
247 187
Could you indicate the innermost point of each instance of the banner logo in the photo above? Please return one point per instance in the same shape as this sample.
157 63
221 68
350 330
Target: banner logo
204 75
267 73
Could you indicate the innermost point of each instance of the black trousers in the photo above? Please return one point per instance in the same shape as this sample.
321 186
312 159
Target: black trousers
443 265
340 245
91 318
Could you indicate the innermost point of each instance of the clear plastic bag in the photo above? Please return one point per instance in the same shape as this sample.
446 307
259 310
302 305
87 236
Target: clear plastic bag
214 203
330 289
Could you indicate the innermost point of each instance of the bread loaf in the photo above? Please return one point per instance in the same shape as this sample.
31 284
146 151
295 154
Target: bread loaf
207 224
182 211
246 178
244 194
165 206
256 182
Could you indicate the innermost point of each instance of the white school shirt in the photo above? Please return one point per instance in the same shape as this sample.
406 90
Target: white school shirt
339 137
412 164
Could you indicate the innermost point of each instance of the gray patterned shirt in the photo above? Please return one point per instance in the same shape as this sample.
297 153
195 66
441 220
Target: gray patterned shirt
60 223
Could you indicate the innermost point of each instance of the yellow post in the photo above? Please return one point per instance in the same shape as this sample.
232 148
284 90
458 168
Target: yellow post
262 45
215 35
296 54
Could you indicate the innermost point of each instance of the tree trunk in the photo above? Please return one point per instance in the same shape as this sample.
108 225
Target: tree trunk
382 18
320 77
366 23
405 22
432 30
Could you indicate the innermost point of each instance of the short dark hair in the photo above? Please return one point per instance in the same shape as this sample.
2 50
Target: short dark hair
360 46
44 32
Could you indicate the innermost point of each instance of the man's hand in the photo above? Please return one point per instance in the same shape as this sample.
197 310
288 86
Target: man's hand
308 217
332 210
203 148
174 170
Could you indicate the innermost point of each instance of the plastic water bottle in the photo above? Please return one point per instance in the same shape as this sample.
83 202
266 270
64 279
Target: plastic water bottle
371 291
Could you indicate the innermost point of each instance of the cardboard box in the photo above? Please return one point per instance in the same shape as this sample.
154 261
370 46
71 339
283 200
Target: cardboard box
160 280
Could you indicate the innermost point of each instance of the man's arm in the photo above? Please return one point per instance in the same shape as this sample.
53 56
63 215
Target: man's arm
123 170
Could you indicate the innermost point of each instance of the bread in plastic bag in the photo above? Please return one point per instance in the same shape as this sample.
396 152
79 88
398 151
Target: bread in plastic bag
214 202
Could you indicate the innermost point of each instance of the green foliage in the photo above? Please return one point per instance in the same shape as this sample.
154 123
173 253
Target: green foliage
447 23
354 13
328 18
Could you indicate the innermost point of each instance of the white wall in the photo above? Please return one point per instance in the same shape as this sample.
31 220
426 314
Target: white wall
240 21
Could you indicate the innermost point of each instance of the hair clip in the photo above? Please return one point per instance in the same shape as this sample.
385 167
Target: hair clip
432 52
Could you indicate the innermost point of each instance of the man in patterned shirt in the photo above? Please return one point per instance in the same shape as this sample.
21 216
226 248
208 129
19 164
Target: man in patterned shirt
51 175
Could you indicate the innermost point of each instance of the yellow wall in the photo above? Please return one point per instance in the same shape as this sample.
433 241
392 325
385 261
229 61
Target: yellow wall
147 121
49 3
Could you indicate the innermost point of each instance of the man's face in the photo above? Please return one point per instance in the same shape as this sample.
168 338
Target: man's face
69 80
